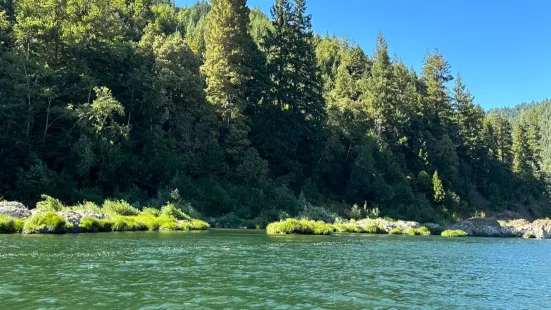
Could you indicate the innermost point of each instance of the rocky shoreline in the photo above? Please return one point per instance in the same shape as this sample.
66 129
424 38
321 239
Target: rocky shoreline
479 227
476 227
16 218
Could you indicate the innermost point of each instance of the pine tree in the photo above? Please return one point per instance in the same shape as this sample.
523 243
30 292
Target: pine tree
380 97
438 189
498 138
225 60
438 109
470 120
521 150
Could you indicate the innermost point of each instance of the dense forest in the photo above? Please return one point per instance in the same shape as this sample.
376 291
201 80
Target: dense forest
244 115
539 112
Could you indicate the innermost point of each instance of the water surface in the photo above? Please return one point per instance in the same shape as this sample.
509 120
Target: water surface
226 269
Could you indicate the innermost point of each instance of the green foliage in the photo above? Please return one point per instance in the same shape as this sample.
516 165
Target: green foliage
170 210
374 229
92 224
351 227
302 226
396 231
199 225
49 204
438 188
10 225
421 231
454 233
87 206
128 223
151 211
45 223
119 207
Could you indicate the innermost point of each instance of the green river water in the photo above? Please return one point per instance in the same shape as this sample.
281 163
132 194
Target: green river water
228 269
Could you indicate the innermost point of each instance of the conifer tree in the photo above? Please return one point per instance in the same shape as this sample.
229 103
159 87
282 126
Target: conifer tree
438 189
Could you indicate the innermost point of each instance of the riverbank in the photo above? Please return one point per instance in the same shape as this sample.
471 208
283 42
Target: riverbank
476 227
52 217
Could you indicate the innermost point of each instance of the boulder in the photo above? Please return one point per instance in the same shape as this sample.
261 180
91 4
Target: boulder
14 209
484 227
74 217
387 225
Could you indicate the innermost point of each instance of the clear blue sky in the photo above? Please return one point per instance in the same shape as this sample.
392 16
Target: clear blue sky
501 48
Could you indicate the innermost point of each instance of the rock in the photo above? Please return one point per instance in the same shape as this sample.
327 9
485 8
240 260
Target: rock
387 225
14 209
540 229
74 217
484 227
435 229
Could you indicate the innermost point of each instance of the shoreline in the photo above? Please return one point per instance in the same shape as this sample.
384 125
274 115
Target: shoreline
51 217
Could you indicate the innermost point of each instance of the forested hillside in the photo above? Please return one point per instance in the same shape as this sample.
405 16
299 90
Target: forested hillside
245 115
535 111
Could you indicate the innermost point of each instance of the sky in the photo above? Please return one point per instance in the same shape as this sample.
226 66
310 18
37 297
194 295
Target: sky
501 48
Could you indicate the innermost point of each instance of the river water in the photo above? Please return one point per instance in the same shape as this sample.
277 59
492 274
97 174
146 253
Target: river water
228 269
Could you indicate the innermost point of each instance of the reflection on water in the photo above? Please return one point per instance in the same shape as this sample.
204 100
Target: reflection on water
247 269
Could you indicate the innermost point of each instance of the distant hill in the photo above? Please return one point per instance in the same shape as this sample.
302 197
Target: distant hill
543 110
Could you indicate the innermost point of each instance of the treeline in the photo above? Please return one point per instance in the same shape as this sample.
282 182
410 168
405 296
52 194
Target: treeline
244 115
539 112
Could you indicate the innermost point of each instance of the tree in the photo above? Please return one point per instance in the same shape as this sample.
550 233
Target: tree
438 189
228 66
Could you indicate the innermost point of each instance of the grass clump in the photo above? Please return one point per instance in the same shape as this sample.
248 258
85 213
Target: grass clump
396 231
10 225
119 207
87 206
348 228
302 226
421 231
49 204
92 224
374 229
128 223
454 233
170 210
199 225
45 223
150 211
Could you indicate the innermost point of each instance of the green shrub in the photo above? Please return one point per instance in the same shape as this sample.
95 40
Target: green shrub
49 204
454 233
424 231
302 226
170 210
421 231
351 227
396 231
149 221
374 229
151 211
87 206
119 207
199 225
322 228
9 225
128 223
317 213
92 224
48 222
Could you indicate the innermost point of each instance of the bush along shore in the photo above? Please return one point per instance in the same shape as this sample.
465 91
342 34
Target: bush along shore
477 227
51 217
